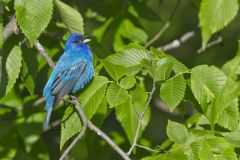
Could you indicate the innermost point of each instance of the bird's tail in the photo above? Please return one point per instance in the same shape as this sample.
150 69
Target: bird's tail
50 100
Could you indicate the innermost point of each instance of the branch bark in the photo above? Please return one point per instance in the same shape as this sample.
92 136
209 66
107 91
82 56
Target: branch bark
42 51
210 44
179 41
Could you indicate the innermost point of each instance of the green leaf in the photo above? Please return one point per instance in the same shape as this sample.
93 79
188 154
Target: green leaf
13 66
71 17
178 67
229 92
177 154
33 17
128 112
205 151
220 148
163 69
228 118
129 57
156 157
127 62
176 132
93 95
4 1
191 151
233 66
127 82
30 136
101 113
216 15
206 83
99 32
136 35
127 30
71 125
28 79
233 138
116 95
30 69
173 90
115 71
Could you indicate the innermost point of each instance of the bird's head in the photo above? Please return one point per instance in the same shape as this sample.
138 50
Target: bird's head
77 41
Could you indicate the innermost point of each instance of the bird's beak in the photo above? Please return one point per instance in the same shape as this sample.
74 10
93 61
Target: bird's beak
86 40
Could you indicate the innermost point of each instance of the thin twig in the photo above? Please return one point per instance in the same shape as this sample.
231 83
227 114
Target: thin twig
164 28
45 55
179 41
158 35
147 148
81 133
210 44
141 118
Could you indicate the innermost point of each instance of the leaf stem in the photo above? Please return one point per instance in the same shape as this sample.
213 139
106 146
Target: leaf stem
147 148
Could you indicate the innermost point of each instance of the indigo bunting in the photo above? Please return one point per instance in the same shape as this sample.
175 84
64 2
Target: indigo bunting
72 72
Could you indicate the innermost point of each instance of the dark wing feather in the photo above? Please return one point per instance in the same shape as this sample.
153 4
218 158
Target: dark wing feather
66 80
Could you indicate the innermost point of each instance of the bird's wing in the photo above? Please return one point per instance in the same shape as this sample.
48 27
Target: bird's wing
65 80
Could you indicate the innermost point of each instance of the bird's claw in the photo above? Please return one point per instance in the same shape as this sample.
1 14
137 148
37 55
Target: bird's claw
75 99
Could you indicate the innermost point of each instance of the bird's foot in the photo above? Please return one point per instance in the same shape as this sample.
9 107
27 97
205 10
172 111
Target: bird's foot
75 99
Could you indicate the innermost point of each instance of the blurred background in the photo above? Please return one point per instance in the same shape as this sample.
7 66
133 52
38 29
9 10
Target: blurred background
112 24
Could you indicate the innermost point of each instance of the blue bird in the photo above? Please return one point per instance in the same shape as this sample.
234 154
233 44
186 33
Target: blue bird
72 72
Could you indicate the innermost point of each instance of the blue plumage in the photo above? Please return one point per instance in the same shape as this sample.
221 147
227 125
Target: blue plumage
72 72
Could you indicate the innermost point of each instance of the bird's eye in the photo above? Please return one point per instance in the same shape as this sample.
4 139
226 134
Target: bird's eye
76 41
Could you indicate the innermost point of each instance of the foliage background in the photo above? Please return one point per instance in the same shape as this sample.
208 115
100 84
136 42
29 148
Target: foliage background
112 25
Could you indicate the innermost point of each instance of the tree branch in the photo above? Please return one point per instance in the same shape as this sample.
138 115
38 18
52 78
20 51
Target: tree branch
179 41
158 35
10 29
210 44
42 51
164 28
141 118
